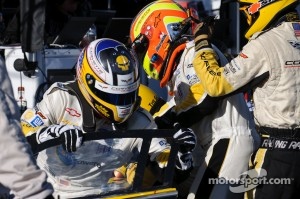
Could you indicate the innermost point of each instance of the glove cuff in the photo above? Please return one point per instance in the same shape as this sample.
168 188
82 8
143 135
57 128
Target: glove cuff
184 161
39 134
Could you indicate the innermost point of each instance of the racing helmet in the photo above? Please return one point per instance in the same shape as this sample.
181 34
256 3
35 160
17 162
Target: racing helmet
149 100
261 13
107 75
155 34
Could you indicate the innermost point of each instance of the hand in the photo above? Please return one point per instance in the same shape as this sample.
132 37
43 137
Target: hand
71 139
71 136
187 143
126 171
186 138
166 120
203 32
184 161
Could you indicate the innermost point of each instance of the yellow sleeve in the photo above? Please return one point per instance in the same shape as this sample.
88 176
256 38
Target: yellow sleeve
31 121
196 95
28 129
210 73
164 108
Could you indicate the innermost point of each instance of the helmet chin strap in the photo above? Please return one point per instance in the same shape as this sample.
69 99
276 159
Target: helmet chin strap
170 64
176 48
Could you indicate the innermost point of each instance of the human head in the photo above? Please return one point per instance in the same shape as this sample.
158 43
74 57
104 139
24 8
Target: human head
262 14
156 35
107 75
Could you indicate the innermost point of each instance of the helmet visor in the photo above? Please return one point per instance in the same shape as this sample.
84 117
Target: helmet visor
116 95
117 99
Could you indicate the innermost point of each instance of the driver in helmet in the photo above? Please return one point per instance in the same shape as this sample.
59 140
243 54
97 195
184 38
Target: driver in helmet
161 36
269 65
104 96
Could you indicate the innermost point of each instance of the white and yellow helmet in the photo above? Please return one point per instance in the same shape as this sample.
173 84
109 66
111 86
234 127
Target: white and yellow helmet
107 74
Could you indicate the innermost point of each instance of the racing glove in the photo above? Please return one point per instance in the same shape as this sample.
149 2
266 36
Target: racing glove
166 116
203 33
70 135
187 141
165 119
184 161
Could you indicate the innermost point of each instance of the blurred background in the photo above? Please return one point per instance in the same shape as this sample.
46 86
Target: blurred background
40 40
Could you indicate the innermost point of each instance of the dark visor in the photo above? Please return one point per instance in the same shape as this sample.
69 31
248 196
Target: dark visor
118 99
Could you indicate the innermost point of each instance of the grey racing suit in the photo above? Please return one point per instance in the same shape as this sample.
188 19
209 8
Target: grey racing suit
19 174
88 170
225 136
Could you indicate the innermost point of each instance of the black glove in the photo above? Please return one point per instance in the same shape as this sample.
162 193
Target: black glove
184 161
71 136
166 121
186 138
203 32
187 142
49 197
